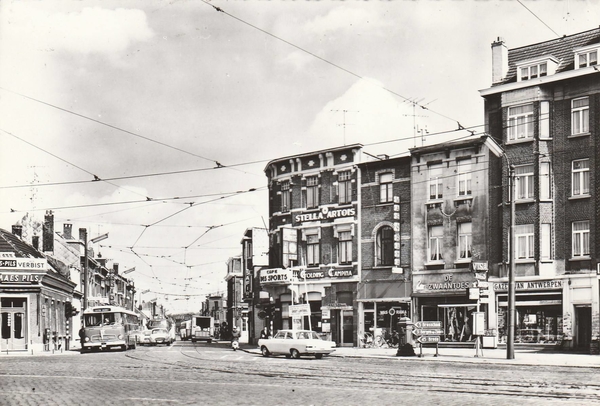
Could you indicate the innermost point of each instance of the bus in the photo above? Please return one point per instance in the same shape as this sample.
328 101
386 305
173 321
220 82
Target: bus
108 327
203 329
159 322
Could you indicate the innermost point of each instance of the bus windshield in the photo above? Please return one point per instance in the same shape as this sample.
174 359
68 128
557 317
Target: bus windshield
102 319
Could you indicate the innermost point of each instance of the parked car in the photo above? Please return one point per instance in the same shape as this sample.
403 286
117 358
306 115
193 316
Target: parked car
295 343
160 336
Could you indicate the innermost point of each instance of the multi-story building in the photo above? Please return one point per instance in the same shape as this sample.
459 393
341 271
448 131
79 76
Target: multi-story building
452 235
314 233
237 309
384 290
543 108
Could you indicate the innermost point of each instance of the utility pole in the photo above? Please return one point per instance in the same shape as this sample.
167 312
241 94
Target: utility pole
83 232
510 348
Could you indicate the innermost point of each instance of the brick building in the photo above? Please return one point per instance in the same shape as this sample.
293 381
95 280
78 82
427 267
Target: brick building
384 290
543 108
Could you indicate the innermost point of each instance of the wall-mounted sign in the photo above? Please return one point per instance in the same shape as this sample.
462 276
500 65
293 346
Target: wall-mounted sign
302 274
20 278
275 276
40 264
531 285
299 310
325 213
445 282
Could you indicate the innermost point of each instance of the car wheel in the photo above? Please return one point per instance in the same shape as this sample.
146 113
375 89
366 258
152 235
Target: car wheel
124 347
134 346
318 356
265 352
294 353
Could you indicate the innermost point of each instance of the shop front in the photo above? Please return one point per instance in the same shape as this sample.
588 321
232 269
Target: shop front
33 305
442 295
539 311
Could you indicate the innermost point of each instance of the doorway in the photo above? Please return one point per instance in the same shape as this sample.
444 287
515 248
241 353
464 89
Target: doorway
13 323
583 326
347 328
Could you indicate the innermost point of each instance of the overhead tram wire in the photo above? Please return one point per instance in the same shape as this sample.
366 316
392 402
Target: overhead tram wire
542 21
219 9
219 165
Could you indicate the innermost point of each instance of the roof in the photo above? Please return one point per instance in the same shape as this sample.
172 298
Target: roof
307 154
560 48
11 243
454 145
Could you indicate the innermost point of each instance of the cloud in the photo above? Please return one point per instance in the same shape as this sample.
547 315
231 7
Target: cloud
91 30
341 18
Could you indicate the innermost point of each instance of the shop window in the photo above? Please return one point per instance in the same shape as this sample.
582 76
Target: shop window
285 196
385 188
345 247
345 187
580 177
312 192
524 241
580 116
435 181
520 122
464 177
385 246
581 239
524 182
435 243
312 250
464 241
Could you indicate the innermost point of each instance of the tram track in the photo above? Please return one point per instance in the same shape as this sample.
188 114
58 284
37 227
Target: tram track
368 376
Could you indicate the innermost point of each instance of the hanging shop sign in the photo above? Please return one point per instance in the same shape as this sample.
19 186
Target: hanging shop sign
325 213
299 310
531 285
275 276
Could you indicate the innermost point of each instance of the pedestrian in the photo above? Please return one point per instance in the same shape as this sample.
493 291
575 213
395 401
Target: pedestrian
264 333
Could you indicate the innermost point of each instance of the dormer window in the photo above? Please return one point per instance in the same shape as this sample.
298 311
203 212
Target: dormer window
585 58
537 68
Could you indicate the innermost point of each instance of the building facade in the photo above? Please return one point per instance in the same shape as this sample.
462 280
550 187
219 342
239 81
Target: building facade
384 290
237 309
313 251
452 234
543 107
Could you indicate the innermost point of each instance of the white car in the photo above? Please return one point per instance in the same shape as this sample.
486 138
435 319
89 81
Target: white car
294 343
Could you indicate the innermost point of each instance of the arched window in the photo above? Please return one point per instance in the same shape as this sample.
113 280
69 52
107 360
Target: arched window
385 246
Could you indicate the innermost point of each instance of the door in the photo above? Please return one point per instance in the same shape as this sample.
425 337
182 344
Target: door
347 328
13 324
583 320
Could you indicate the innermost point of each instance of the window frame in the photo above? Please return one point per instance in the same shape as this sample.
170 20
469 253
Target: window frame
386 187
465 241
313 250
545 181
464 176
312 192
285 196
516 121
524 183
384 246
581 237
345 247
525 242
586 54
345 187
435 181
435 244
583 175
580 117
546 242
539 72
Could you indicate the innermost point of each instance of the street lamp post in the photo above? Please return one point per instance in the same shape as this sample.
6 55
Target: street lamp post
510 341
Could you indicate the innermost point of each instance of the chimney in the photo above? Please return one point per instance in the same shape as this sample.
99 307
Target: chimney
35 242
499 60
68 231
82 234
17 230
116 268
48 232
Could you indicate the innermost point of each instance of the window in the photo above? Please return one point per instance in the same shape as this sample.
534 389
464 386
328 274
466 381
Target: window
544 120
464 240
345 247
580 116
524 241
345 187
581 238
589 58
436 234
464 177
520 122
534 71
285 196
385 188
312 192
545 192
580 175
546 242
435 181
312 249
524 181
385 246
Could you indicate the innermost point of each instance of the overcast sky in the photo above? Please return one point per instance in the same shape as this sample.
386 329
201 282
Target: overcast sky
126 89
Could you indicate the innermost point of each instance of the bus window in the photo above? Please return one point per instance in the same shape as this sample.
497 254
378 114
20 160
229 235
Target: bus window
93 320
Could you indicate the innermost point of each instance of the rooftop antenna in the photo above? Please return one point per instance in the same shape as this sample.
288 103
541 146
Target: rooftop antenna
344 123
415 102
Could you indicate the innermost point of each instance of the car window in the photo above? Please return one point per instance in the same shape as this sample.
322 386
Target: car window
303 335
280 334
289 335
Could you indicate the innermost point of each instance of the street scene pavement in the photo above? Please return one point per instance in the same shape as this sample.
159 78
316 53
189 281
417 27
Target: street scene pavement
213 374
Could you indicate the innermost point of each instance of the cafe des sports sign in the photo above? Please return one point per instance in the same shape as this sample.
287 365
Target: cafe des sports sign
279 276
